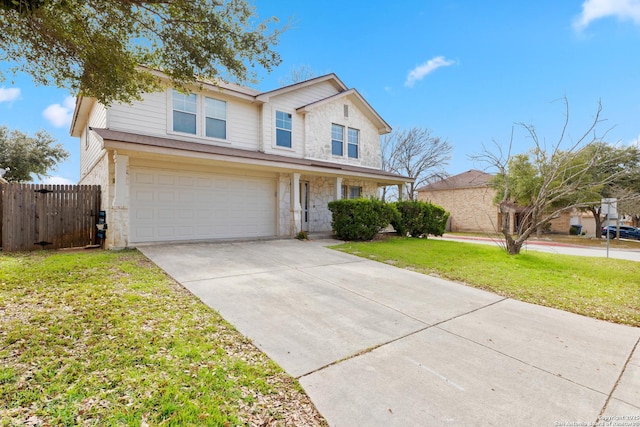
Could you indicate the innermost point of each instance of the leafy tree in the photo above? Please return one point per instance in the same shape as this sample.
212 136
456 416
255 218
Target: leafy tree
23 155
617 170
96 48
549 180
417 154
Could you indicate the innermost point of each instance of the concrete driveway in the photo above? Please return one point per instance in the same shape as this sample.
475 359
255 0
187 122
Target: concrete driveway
375 345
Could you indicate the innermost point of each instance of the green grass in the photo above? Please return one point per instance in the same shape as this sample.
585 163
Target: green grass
105 338
602 288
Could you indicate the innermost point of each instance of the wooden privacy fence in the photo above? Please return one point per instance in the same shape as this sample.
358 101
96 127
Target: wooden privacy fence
34 216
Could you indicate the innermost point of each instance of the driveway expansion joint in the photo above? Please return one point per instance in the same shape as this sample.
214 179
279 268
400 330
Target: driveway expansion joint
615 386
375 347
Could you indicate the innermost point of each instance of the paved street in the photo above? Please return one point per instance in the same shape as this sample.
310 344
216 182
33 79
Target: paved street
556 248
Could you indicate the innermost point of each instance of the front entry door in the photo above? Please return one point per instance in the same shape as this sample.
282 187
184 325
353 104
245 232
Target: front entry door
304 203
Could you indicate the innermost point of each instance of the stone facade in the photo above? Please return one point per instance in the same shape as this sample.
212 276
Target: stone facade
117 217
318 134
284 205
322 190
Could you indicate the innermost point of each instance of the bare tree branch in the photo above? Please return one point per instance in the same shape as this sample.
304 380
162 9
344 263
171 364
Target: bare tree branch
537 187
417 154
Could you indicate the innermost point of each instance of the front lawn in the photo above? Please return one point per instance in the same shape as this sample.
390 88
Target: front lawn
607 289
105 338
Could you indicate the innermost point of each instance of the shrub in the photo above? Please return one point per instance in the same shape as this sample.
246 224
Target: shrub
360 219
419 219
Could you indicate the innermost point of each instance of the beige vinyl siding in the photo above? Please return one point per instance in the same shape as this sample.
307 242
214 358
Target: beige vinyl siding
152 117
148 116
90 146
242 125
288 102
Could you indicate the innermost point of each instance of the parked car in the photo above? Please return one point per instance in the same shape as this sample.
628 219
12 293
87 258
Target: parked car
626 232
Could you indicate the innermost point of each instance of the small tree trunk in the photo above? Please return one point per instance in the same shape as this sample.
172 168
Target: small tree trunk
514 248
598 219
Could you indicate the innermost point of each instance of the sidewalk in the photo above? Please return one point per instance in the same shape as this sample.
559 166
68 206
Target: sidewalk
552 247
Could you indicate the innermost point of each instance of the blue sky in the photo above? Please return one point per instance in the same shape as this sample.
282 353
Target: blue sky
467 70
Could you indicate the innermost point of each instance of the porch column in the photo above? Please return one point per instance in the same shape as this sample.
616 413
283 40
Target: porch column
338 194
296 208
118 216
401 188
121 180
283 205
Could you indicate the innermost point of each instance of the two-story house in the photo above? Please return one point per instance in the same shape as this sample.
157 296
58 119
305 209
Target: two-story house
229 162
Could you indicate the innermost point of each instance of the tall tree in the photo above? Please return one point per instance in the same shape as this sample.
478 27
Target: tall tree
22 155
415 153
617 169
549 180
96 48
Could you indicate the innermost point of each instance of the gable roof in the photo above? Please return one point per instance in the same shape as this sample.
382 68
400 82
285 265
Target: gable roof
332 78
83 105
361 103
469 179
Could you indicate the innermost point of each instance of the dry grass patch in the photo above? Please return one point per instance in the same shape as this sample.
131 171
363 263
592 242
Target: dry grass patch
105 338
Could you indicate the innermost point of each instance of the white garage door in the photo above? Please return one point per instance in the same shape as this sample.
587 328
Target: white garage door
172 205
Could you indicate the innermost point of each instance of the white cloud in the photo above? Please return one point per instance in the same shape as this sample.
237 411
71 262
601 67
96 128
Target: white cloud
57 180
421 71
596 9
60 115
8 95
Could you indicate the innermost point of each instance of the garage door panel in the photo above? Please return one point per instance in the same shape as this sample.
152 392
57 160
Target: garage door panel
168 205
143 178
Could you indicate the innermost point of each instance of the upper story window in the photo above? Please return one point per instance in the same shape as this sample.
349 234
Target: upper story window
337 140
283 129
185 107
198 115
353 141
215 113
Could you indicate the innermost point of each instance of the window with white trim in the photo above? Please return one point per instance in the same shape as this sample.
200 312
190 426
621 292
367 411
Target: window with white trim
337 140
215 116
353 142
283 129
185 107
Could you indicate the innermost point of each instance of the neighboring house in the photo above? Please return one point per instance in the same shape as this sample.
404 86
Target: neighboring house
469 200
229 162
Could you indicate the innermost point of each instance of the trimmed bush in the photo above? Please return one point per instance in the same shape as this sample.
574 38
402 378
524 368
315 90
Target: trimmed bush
360 219
418 219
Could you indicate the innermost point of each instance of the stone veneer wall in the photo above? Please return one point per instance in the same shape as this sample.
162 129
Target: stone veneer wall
284 205
471 209
117 218
322 191
99 175
318 134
